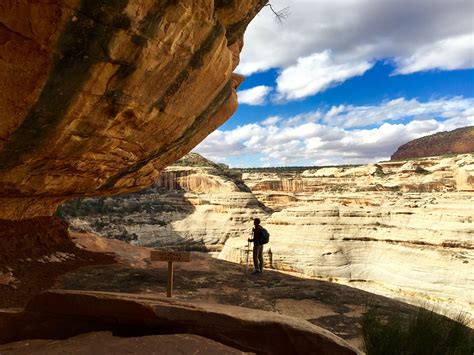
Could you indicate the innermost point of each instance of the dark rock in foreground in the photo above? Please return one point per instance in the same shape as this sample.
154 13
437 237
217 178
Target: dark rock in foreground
58 314
107 343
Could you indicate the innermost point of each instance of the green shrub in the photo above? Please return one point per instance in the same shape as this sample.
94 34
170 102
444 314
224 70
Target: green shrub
422 332
59 213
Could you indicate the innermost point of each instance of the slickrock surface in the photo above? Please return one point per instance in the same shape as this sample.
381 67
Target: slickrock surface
195 204
33 253
334 307
98 96
60 313
337 308
106 343
457 141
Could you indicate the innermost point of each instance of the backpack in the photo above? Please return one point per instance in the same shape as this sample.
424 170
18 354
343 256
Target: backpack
265 236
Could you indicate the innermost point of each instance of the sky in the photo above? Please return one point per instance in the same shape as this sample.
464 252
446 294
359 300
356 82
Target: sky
348 81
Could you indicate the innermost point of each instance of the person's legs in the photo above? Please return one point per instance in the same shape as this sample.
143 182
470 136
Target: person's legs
260 257
255 257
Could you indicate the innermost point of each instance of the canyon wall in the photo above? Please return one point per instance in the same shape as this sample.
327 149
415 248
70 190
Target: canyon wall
195 205
98 96
401 229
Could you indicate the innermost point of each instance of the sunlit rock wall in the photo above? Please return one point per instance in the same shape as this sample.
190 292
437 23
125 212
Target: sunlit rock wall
402 229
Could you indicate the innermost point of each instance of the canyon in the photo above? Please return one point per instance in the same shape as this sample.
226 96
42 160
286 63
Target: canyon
98 98
401 229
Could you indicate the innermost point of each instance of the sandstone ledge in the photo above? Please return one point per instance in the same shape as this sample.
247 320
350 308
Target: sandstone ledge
58 314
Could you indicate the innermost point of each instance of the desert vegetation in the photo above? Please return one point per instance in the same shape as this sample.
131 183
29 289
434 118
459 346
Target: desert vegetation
420 332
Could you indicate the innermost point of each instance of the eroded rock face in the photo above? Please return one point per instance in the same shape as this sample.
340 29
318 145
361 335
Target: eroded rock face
98 96
194 204
458 141
402 229
436 174
28 237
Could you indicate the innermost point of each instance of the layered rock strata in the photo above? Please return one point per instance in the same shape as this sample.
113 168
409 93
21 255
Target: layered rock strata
195 204
98 96
436 174
402 229
422 252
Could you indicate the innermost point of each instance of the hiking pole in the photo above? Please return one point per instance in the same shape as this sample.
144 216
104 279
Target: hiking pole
247 262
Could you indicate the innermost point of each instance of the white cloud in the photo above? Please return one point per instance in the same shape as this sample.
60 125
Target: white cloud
393 110
314 74
417 34
446 54
308 142
254 96
272 120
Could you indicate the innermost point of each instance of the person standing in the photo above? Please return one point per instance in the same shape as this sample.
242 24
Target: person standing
257 233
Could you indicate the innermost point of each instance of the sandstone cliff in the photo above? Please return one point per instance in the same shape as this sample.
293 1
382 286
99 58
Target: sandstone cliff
98 96
458 141
194 204
402 229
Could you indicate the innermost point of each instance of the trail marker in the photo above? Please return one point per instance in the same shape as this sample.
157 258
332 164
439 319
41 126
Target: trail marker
170 257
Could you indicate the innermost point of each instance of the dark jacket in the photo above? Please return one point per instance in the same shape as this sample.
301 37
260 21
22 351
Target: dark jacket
257 235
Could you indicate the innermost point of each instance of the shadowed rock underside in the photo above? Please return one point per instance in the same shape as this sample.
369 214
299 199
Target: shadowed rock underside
98 96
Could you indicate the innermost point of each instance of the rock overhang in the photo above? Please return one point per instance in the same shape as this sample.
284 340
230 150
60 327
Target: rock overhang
99 96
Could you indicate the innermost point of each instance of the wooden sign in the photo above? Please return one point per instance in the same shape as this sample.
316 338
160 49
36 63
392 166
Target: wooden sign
180 256
170 257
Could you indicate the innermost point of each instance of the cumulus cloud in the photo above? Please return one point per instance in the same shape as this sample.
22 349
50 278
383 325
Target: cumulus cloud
315 73
344 37
254 96
446 54
322 142
272 120
393 110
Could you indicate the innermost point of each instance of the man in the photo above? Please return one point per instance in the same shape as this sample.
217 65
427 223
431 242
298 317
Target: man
257 247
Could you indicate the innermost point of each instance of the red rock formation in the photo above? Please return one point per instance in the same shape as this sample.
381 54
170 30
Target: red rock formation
98 96
458 141
18 237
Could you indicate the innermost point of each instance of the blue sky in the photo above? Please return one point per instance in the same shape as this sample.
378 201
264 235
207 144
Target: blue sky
342 81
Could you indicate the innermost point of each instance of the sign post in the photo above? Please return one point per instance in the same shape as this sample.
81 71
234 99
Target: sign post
169 284
170 257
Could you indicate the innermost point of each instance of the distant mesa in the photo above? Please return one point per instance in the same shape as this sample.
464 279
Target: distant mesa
458 141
